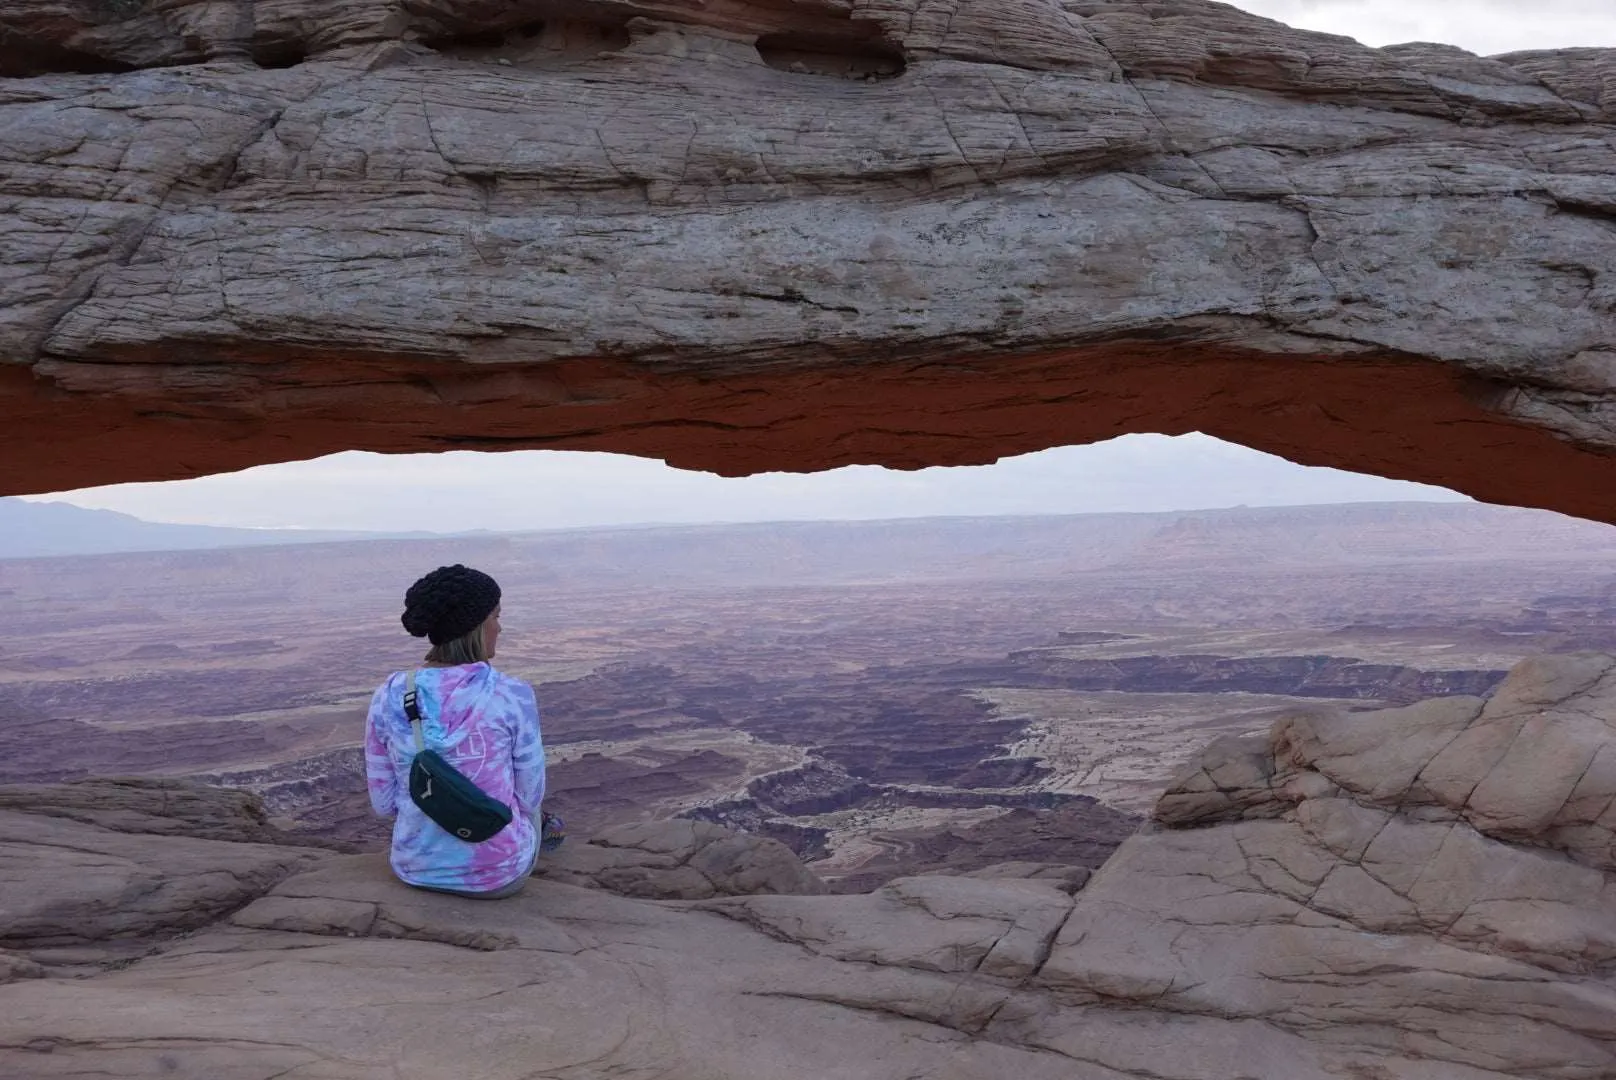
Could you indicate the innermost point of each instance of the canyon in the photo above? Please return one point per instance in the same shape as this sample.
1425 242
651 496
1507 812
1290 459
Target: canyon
1293 794
885 698
1410 893
1179 810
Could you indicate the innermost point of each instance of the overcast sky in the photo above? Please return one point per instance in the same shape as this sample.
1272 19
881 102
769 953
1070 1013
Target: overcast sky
528 490
542 489
1487 27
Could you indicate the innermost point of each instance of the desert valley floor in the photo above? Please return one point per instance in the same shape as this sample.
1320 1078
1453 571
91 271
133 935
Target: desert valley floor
885 697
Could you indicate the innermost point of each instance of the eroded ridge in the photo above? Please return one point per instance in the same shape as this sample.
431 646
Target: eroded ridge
1436 878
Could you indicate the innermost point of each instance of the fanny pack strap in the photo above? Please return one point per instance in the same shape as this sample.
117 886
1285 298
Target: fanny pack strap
412 709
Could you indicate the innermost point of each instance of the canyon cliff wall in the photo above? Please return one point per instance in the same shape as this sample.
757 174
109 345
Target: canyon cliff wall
744 236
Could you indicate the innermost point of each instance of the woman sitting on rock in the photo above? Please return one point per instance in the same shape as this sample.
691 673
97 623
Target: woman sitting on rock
483 723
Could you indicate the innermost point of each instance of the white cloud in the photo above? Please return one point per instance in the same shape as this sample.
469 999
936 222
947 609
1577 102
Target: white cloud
544 489
1487 27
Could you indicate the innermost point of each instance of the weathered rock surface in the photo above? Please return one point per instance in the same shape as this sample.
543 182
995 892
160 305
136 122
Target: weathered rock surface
1001 928
94 870
1062 876
67 883
91 869
160 807
14 967
1435 880
680 860
1534 764
1415 894
744 236
558 981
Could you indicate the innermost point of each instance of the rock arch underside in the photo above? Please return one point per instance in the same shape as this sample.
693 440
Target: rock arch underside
793 235
798 234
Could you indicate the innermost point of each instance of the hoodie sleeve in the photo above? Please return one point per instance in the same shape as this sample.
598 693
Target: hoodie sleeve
381 780
527 752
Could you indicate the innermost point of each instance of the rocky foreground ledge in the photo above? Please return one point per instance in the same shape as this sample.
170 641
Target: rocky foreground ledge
1415 894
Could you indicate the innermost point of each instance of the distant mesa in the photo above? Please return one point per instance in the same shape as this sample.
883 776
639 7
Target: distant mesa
858 552
30 530
43 662
155 650
247 647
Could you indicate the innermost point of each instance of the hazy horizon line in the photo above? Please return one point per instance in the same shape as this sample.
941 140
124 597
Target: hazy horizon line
428 534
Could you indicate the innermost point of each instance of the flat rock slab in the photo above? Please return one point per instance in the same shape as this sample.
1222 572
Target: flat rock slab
679 859
580 984
993 928
64 882
157 806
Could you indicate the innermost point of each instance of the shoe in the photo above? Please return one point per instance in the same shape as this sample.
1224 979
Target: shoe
552 832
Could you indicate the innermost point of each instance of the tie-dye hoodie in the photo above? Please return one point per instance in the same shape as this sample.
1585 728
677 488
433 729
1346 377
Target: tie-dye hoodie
486 725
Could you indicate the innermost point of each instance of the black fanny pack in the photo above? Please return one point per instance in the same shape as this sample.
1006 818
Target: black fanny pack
443 792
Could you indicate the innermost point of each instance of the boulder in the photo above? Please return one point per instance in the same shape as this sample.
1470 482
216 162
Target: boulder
66 883
1534 764
1064 876
91 871
1346 883
680 859
1234 778
14 966
157 806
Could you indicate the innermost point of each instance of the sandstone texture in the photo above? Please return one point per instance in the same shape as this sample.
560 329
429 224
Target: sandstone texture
67 883
742 236
1434 880
1422 893
155 806
680 860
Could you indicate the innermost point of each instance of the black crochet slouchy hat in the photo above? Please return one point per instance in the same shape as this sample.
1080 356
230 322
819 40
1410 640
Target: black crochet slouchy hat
450 602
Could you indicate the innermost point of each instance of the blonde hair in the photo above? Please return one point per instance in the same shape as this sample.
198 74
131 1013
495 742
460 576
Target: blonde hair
469 648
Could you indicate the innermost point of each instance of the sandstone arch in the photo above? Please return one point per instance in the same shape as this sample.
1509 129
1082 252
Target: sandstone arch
754 235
